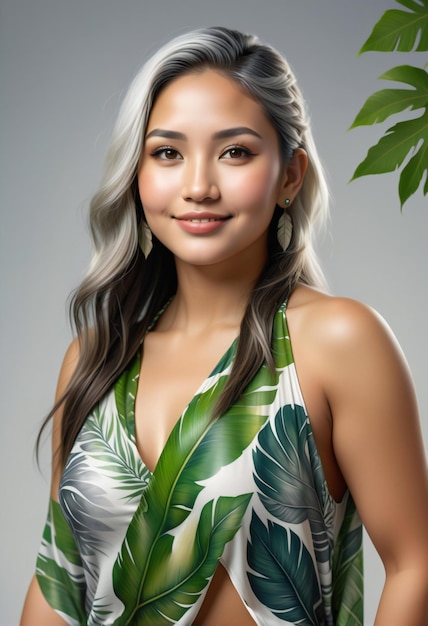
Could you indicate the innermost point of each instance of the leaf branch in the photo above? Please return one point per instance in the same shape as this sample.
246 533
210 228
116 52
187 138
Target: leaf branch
403 31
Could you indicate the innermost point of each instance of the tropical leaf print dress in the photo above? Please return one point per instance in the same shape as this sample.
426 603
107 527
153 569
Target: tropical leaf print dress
125 546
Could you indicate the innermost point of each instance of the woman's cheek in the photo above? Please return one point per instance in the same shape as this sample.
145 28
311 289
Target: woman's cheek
155 191
256 186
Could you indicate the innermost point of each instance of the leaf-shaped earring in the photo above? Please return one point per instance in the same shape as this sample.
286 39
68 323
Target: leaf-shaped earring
145 239
285 228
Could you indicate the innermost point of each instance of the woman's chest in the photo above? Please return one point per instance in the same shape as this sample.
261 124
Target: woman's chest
173 368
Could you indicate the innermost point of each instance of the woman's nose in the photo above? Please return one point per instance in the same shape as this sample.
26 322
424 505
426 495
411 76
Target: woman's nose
200 182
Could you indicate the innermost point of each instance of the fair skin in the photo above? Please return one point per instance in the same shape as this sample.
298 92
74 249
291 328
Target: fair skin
353 376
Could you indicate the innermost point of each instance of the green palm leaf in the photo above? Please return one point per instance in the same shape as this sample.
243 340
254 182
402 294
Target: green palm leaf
63 537
392 149
104 439
403 31
167 596
61 592
281 346
196 449
382 104
348 571
125 390
289 476
108 436
64 588
283 576
412 174
400 30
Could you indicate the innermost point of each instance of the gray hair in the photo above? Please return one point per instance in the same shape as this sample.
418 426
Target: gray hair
264 73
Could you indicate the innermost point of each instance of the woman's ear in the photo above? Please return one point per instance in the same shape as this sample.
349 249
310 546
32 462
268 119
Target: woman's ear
293 176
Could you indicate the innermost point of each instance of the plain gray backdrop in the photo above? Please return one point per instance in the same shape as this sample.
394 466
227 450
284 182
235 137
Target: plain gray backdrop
65 65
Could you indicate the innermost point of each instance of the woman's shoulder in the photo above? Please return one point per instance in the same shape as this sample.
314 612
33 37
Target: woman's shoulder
313 301
341 336
70 359
85 343
335 320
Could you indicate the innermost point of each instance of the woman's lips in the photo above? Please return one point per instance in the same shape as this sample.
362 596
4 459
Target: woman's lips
201 223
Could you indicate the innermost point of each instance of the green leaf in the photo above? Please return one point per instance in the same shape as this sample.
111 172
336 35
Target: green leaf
380 105
196 449
283 575
400 30
125 390
104 438
64 589
408 74
392 149
348 570
64 538
172 590
61 592
280 337
412 174
289 476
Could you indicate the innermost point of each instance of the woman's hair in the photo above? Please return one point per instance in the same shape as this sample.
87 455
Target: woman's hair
122 292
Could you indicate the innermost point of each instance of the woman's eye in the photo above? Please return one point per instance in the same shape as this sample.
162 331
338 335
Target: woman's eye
236 152
166 154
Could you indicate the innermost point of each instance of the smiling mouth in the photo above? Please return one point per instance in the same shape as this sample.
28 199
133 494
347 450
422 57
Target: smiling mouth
207 219
202 224
202 220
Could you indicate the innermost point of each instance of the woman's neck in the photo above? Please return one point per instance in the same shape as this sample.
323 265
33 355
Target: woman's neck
208 297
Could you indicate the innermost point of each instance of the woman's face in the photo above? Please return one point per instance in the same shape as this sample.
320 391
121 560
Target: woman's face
210 174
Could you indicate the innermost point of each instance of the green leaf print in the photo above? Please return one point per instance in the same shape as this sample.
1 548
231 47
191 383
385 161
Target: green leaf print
283 576
64 539
171 591
281 346
125 391
103 439
64 588
147 576
60 591
289 475
348 571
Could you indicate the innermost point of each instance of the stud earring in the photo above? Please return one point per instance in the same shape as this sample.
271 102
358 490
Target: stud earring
285 227
145 239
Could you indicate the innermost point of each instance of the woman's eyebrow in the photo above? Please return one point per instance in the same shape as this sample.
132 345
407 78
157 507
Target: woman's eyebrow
221 134
233 132
168 134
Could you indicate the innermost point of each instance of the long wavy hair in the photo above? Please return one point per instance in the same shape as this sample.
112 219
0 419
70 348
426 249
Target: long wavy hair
122 291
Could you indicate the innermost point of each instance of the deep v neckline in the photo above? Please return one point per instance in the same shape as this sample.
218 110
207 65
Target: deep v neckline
133 374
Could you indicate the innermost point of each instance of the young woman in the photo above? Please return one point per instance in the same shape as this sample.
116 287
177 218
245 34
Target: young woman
222 424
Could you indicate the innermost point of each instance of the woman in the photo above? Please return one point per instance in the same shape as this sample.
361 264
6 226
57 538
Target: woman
240 510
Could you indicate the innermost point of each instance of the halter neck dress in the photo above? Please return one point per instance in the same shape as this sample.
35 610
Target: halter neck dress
124 546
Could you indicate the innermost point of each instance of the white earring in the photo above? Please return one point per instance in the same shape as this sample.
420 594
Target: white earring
285 228
145 239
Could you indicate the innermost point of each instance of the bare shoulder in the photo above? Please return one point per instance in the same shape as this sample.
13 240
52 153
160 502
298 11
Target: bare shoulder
346 347
338 324
68 366
338 313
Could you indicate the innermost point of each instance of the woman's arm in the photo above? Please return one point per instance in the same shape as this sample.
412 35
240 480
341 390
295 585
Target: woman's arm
378 445
37 611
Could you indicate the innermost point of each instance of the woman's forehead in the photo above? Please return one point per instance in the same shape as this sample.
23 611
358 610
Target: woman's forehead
206 98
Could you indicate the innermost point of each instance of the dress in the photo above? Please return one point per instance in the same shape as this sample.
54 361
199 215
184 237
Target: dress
246 489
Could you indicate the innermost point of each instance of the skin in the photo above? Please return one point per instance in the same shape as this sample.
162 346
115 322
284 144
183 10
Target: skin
354 378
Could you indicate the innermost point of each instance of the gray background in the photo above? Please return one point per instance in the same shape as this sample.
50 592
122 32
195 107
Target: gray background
65 65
